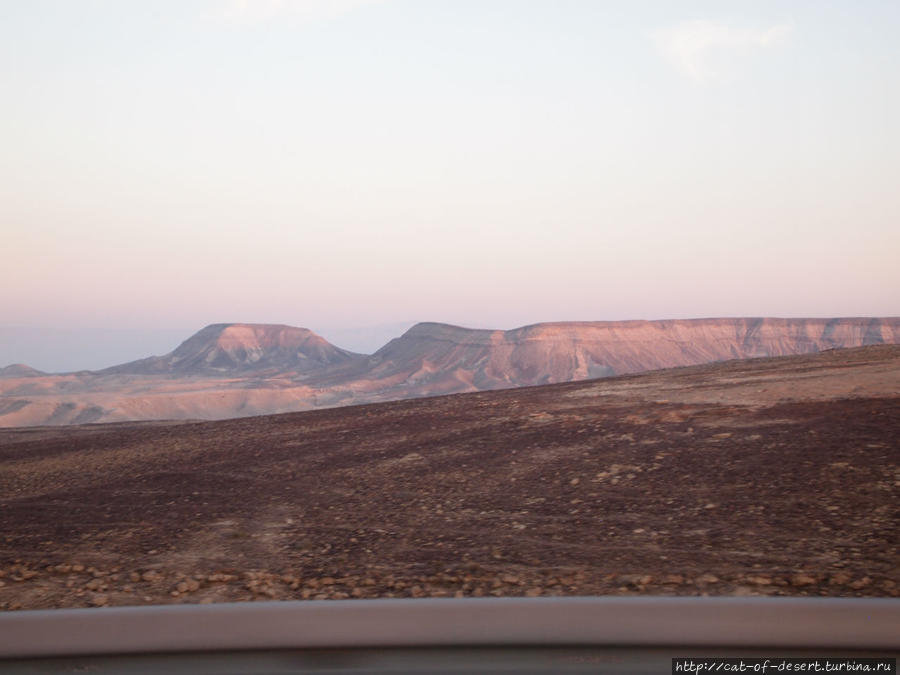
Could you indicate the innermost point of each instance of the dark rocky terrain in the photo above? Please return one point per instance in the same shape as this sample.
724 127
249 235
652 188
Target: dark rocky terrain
760 477
239 370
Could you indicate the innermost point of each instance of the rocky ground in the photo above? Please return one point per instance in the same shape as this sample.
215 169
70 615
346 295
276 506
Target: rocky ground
764 477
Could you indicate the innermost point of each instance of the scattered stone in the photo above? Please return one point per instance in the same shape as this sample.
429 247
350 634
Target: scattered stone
760 581
802 580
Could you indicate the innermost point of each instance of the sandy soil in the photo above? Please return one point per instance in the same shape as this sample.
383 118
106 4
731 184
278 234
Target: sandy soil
764 477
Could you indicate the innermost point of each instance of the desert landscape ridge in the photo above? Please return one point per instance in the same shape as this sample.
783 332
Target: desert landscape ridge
237 370
770 476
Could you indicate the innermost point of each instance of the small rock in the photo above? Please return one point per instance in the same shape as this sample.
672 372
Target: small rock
100 600
707 579
861 583
760 581
802 580
636 579
533 592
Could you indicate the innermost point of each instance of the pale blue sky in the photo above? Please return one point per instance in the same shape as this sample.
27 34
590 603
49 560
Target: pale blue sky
344 164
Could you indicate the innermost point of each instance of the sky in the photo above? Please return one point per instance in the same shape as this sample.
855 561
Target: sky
355 166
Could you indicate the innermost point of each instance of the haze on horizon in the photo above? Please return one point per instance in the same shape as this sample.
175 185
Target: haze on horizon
354 166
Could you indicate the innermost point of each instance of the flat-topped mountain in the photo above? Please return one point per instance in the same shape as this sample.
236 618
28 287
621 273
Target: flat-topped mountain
237 370
439 358
234 348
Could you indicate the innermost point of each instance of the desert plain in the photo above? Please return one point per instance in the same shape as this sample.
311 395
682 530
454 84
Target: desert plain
771 476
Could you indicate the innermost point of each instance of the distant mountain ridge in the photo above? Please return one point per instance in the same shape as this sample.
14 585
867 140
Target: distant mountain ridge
232 370
441 358
20 370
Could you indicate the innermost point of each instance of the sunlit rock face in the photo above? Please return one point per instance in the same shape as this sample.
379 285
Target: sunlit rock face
561 352
237 370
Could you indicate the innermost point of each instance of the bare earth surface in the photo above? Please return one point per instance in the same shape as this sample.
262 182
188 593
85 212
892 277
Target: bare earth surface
764 477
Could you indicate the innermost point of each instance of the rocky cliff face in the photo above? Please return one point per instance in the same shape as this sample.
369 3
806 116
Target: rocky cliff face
234 370
438 358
